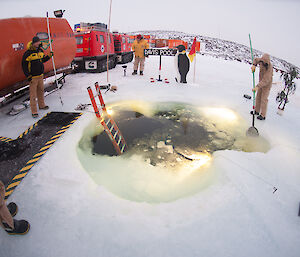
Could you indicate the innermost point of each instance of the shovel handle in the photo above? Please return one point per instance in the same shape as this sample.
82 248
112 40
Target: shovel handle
252 72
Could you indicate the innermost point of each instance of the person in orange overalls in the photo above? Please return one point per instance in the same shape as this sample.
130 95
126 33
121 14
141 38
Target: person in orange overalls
264 86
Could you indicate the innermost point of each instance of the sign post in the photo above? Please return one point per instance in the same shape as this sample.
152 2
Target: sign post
159 78
160 52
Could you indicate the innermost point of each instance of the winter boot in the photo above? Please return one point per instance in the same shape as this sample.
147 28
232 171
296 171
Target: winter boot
261 117
13 209
134 72
141 73
45 108
21 227
255 112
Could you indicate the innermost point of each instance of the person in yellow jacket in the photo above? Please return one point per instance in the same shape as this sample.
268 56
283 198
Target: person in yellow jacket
33 68
138 46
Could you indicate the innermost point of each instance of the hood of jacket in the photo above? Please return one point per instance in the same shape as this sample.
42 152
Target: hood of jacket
30 46
266 59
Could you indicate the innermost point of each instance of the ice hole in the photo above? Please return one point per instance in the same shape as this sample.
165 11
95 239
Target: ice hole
170 149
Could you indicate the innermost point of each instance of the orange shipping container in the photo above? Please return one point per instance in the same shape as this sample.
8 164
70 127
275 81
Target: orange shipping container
146 37
161 43
197 46
173 43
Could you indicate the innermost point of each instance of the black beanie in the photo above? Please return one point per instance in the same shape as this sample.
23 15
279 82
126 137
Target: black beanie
35 39
181 48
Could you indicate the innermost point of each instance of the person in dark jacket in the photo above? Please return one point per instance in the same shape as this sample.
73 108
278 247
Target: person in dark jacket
33 68
183 63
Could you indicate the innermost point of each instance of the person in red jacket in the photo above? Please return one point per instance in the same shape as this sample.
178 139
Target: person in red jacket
33 68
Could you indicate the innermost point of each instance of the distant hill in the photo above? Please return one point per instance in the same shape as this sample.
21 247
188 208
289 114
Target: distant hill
219 48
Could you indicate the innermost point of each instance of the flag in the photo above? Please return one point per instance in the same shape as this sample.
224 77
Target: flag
192 52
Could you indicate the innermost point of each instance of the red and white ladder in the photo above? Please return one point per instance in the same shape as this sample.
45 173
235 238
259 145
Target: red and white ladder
109 125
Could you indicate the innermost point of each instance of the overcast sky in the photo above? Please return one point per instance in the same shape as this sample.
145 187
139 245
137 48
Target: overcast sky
273 24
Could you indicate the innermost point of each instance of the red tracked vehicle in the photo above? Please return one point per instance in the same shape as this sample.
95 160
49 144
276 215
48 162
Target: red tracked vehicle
93 48
123 43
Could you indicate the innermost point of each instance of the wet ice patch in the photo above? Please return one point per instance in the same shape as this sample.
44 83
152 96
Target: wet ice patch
170 149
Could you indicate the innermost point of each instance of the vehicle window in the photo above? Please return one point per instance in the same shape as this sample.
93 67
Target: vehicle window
109 39
42 35
97 37
79 40
123 40
101 39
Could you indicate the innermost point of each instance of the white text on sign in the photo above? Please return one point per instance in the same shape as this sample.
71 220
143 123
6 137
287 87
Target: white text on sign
162 52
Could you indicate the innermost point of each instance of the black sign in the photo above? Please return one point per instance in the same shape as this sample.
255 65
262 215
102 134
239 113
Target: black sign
161 52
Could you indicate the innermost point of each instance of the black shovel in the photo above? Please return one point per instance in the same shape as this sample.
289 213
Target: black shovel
252 131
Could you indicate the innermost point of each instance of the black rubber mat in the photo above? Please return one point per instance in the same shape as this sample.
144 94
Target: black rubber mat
15 154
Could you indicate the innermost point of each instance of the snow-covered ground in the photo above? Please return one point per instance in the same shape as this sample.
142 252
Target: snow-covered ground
236 214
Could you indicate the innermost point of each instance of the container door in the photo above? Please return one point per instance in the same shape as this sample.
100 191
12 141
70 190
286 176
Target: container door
117 44
123 44
111 44
79 43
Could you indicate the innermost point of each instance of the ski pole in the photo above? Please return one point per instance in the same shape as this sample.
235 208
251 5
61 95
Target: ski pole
107 39
53 63
253 82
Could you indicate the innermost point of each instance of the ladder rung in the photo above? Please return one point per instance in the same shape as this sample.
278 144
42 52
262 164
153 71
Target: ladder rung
107 122
119 140
112 128
115 134
123 148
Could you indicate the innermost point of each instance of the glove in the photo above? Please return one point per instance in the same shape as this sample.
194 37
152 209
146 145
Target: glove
254 89
51 54
253 68
113 88
29 78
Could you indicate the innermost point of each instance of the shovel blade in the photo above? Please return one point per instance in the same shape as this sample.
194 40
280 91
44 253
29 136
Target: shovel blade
280 112
252 132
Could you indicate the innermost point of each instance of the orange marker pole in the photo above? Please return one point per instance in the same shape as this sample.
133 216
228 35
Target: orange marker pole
100 96
94 102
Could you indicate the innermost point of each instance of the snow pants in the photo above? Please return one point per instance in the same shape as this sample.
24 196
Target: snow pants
137 61
261 102
4 212
36 90
183 77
